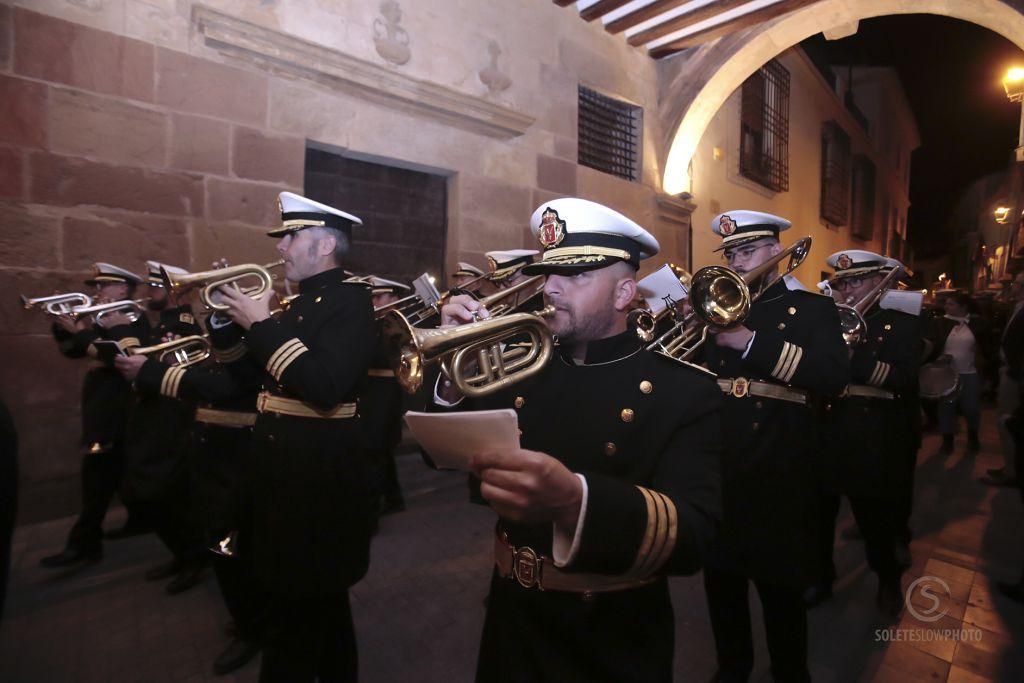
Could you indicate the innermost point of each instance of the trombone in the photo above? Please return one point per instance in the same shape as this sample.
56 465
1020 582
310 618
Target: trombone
57 304
181 352
851 315
720 298
133 309
209 280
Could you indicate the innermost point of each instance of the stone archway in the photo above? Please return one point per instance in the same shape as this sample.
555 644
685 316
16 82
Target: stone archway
704 80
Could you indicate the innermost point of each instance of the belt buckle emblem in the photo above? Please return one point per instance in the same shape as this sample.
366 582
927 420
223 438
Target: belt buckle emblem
740 385
526 568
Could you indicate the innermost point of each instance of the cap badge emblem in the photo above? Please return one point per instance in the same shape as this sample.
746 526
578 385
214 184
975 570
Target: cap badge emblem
726 226
844 262
552 230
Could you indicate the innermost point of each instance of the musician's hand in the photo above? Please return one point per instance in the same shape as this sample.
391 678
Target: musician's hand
733 337
111 320
170 336
129 366
70 323
529 486
243 309
462 309
220 264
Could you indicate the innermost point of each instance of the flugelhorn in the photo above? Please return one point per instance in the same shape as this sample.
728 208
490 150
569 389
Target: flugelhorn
720 298
57 304
209 280
133 309
487 342
180 352
851 316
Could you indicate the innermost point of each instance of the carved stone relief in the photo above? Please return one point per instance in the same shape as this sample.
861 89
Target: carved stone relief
391 39
491 75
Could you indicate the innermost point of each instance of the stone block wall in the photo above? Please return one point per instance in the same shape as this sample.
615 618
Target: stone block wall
126 135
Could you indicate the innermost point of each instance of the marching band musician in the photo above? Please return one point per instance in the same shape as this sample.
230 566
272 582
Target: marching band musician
219 439
616 482
788 351
382 408
875 429
156 482
310 481
465 273
506 266
105 399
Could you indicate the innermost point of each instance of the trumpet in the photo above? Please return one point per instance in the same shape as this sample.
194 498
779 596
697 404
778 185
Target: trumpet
210 280
57 304
133 309
720 298
851 315
520 293
484 341
181 352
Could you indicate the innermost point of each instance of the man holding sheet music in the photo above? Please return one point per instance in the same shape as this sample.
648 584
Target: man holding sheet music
616 481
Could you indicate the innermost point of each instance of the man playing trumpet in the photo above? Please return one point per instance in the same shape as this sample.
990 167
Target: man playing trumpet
616 481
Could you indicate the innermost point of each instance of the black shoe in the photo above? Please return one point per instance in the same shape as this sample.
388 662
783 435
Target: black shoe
852 533
815 595
1014 591
69 557
889 598
1002 480
163 571
129 529
237 654
189 576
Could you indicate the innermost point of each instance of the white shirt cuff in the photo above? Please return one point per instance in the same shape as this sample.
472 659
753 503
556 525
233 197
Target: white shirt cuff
437 397
218 320
564 549
750 343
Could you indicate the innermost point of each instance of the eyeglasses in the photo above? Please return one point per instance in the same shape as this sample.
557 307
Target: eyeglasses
743 253
847 283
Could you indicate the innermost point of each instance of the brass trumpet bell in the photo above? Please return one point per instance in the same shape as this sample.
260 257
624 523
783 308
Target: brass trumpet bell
507 349
208 281
57 304
133 309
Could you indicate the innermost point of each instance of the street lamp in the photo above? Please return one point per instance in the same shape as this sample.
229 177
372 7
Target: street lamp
1013 84
1001 214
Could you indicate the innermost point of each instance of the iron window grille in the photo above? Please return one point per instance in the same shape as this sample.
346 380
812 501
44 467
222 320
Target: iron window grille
609 134
764 127
835 173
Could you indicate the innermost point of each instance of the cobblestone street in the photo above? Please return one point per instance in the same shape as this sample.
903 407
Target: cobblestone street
419 611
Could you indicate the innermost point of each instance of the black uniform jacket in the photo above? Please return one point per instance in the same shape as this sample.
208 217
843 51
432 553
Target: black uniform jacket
310 480
873 436
105 394
773 448
644 431
157 427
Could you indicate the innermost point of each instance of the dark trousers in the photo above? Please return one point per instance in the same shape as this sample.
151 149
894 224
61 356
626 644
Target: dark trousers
386 473
101 475
903 505
245 601
310 639
785 622
877 519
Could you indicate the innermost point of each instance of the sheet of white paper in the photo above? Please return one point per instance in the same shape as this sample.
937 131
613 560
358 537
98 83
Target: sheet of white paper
900 300
451 439
659 286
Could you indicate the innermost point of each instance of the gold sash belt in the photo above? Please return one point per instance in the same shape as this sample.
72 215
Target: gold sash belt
225 418
868 392
269 403
741 387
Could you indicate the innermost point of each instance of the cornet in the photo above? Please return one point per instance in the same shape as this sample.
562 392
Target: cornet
720 297
485 341
133 309
57 304
180 352
851 316
519 294
210 280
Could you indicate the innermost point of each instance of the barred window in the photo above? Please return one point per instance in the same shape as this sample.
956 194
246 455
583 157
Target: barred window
764 127
835 173
609 134
862 220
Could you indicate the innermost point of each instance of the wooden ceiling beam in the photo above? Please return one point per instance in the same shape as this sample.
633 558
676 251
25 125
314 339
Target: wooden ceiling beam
564 3
732 26
683 21
600 8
